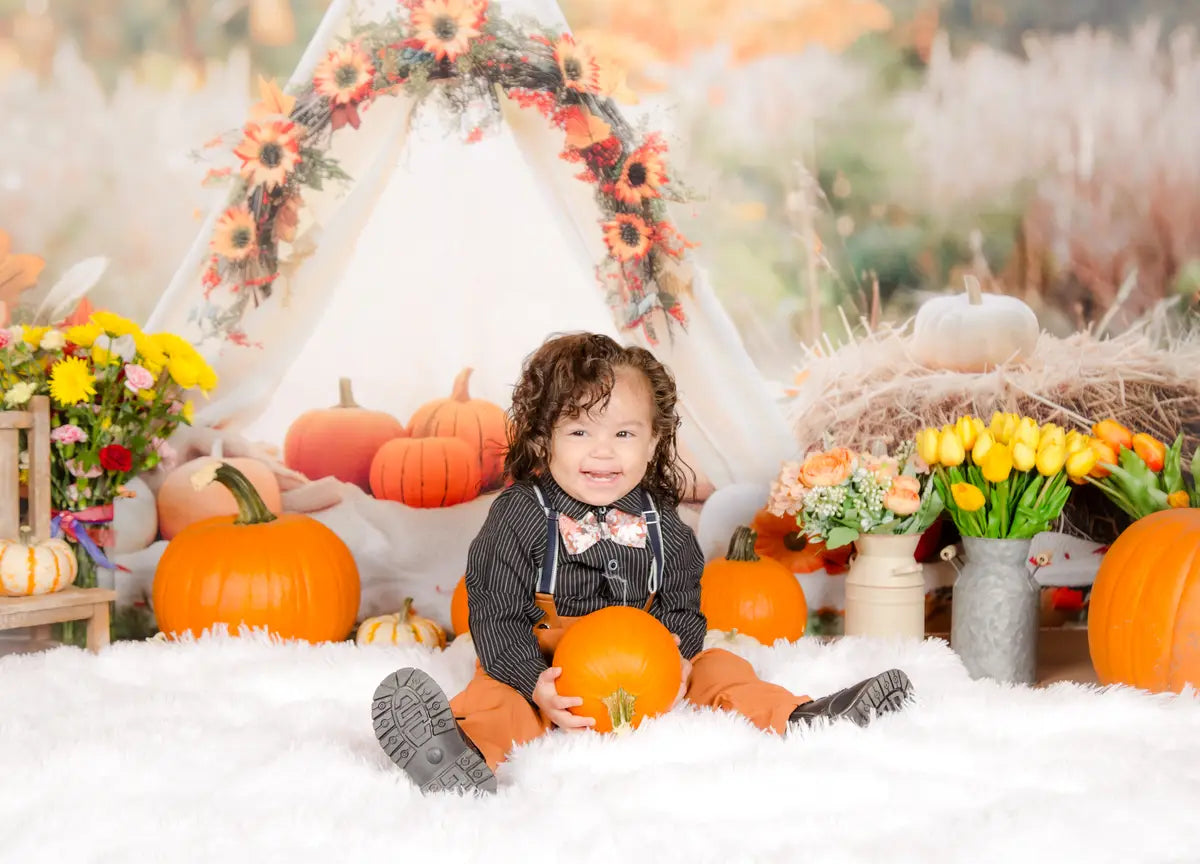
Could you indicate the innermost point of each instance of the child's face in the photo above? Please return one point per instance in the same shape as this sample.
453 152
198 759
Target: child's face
599 457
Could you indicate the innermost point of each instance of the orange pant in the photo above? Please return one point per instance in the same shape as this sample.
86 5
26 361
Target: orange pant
497 718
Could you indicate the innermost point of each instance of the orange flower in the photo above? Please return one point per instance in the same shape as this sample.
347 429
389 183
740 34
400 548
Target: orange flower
1152 451
234 237
445 28
641 177
831 468
904 496
345 75
1105 452
269 152
1113 434
627 236
579 67
1179 498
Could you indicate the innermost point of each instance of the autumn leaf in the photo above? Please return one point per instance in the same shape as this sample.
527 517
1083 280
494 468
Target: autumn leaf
17 272
585 129
274 101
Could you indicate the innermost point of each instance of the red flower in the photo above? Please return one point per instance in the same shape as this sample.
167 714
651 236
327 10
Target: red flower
114 457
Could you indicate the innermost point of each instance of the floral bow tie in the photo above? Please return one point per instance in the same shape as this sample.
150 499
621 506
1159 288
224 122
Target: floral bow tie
623 528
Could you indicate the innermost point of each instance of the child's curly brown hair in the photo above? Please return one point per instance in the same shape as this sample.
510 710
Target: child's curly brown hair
570 375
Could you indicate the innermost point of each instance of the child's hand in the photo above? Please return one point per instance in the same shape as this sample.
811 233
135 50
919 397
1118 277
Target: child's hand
554 707
686 666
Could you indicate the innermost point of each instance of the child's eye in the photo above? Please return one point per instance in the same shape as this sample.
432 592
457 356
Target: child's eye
624 434
578 433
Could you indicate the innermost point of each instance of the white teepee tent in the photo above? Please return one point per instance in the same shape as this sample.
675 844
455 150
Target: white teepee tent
439 255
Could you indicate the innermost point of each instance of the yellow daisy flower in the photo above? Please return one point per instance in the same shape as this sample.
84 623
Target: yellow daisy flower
151 352
114 324
184 371
33 335
187 412
71 381
83 335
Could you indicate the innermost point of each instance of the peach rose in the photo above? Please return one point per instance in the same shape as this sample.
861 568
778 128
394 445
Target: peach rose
883 469
904 496
827 469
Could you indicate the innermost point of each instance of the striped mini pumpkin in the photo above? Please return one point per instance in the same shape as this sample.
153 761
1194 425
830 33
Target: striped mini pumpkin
36 568
405 627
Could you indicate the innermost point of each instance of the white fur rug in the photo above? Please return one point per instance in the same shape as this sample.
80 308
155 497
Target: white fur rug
239 750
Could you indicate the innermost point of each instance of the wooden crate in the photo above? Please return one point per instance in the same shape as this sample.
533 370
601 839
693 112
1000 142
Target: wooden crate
70 604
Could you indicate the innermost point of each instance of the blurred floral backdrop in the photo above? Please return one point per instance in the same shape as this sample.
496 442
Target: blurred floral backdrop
850 156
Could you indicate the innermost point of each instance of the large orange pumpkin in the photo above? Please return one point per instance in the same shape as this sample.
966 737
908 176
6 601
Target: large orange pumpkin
780 538
340 441
289 574
623 663
1144 613
179 503
458 608
756 596
481 424
425 472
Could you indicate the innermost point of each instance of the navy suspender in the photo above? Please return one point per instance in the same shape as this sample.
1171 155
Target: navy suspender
549 573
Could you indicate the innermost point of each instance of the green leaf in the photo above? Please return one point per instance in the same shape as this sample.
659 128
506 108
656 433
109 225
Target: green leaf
840 536
1172 473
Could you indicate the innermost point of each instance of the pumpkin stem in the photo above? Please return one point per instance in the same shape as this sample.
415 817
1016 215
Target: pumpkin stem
251 509
406 611
345 395
741 546
459 392
974 294
620 710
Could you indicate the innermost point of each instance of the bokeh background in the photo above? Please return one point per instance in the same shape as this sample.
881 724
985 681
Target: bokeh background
848 157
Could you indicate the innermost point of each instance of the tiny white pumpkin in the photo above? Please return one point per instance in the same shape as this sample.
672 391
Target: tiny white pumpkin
135 518
36 568
405 627
973 332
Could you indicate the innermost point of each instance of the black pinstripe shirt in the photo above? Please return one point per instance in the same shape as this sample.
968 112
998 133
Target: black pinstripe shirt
505 560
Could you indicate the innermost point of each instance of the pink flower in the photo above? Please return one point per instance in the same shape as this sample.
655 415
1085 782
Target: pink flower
68 433
5 338
137 378
77 470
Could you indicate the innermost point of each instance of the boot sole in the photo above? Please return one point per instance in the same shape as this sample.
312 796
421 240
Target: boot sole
416 728
886 692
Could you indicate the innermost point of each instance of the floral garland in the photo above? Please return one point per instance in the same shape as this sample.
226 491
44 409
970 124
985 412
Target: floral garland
457 48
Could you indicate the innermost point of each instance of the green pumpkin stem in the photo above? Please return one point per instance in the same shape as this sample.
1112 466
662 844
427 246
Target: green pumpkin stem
741 546
620 710
251 509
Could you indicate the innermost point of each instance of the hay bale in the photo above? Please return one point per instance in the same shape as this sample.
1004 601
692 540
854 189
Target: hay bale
871 390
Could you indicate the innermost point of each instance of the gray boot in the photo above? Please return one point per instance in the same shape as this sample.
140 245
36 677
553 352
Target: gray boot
415 727
885 692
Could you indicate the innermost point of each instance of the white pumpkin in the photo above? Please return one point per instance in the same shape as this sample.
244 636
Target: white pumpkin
135 519
973 332
401 628
36 568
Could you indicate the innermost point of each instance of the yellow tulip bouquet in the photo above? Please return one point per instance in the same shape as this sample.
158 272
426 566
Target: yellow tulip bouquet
1008 479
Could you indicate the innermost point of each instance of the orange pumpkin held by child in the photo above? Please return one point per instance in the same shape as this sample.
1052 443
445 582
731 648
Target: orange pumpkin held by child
425 472
623 663
1144 611
758 597
340 441
482 426
289 574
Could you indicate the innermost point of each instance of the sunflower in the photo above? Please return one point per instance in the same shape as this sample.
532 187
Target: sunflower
445 28
579 67
71 381
269 152
627 236
234 237
345 75
642 175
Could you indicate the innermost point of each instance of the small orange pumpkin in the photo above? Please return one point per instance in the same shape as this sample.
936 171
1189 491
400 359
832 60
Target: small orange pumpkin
756 596
482 425
180 504
1144 611
289 573
780 538
458 608
405 627
425 472
623 663
340 441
